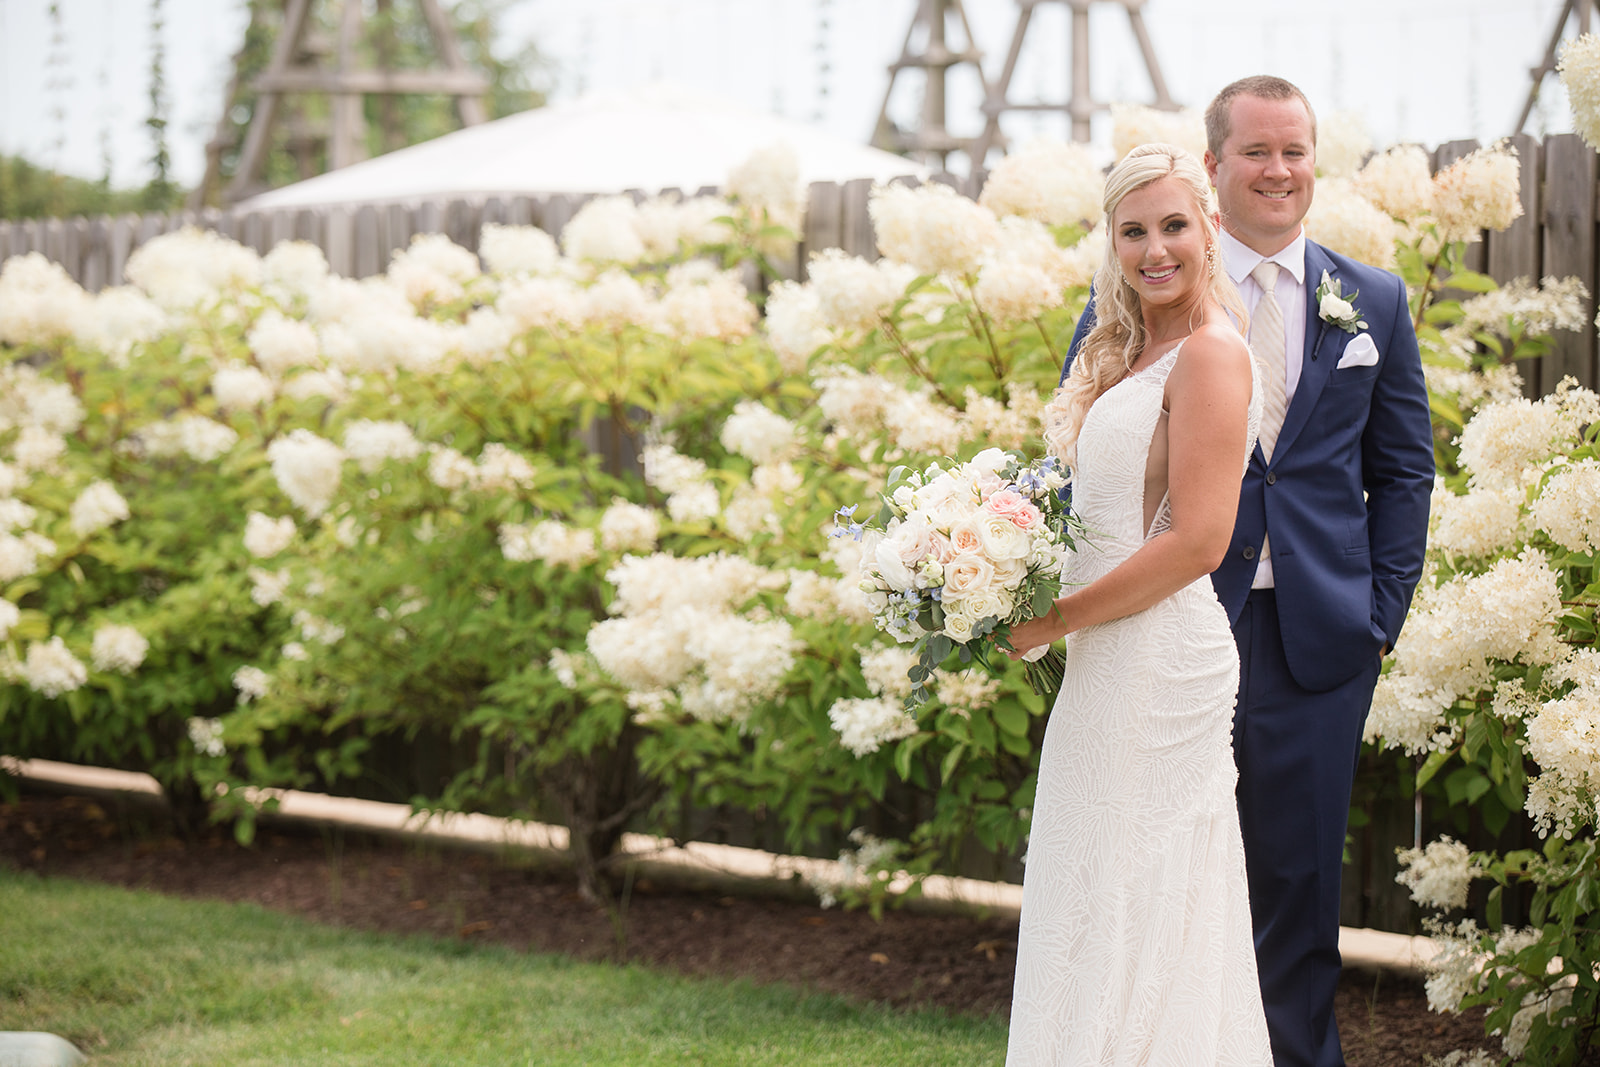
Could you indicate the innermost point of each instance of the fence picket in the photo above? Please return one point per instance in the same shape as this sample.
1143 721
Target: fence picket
94 253
366 261
823 227
1515 252
558 211
399 230
430 217
1569 249
525 211
123 228
855 224
462 222
338 238
73 232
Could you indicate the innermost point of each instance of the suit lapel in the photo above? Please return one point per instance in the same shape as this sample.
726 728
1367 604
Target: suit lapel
1317 361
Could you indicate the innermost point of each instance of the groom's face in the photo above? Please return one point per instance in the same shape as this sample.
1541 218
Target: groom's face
1266 173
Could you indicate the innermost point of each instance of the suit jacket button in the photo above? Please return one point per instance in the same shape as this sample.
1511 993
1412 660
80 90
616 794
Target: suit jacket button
1272 478
1249 553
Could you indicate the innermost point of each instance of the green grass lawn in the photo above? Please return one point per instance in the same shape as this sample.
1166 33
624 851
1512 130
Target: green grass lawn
136 978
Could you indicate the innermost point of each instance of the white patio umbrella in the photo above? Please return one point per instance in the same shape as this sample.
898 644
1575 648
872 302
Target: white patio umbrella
655 137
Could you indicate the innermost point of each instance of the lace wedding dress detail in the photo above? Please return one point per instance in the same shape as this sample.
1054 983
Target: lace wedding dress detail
1135 945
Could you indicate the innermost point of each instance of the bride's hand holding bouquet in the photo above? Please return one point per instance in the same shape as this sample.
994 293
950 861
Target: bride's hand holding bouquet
959 555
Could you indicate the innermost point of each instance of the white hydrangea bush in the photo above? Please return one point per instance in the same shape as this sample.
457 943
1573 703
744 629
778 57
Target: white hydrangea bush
695 613
128 423
573 501
1494 687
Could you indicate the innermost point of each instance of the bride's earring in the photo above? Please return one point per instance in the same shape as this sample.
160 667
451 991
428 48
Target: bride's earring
1211 260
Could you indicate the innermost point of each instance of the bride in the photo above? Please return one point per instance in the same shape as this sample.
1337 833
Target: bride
1135 945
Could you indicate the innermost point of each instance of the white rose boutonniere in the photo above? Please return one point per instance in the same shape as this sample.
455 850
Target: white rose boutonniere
1333 308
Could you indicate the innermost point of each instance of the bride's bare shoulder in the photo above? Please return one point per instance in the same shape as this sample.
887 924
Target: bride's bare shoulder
1216 348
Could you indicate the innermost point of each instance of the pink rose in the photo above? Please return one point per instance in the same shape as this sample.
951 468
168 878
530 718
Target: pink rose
1023 513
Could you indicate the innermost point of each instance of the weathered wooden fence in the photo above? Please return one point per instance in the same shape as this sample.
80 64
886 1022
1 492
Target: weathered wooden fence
1555 236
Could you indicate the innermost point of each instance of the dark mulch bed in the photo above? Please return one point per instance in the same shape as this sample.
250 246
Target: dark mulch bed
956 963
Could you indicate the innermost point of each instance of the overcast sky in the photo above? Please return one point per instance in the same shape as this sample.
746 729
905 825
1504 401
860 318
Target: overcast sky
1414 70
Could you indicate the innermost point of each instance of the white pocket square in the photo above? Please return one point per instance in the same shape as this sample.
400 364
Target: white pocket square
1360 352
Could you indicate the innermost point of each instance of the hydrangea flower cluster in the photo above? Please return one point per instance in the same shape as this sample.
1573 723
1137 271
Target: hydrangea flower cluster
680 634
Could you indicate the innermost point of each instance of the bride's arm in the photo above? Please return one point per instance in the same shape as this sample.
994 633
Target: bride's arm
1208 396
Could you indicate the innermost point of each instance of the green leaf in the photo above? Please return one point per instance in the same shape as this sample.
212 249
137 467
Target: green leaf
1477 737
1431 765
1017 746
951 760
904 751
1011 718
983 734
1471 281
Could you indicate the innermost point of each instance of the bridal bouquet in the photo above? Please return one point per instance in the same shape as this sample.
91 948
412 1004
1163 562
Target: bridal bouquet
958 555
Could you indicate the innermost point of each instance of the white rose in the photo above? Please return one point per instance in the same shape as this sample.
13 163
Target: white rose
951 512
1335 308
933 496
903 497
967 574
958 626
891 566
989 461
1009 573
1002 539
912 538
992 604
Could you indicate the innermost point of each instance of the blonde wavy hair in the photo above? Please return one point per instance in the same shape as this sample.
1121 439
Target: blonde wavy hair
1111 348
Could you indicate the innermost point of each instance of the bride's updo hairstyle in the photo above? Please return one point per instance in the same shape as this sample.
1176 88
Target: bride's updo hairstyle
1109 351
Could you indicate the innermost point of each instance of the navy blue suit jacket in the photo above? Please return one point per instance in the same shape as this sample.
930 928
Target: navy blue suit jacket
1346 494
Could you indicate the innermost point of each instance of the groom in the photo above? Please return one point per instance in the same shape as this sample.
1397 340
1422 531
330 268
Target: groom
1328 544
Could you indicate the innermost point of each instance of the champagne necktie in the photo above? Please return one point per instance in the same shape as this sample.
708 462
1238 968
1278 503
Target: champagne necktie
1267 341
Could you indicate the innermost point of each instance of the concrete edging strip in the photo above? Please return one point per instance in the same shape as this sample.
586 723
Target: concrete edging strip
666 861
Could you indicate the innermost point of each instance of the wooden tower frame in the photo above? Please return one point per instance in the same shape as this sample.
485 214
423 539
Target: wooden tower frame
1584 9
930 141
1080 105
296 69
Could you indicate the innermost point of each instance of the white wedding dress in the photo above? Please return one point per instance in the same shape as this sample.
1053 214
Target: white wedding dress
1135 946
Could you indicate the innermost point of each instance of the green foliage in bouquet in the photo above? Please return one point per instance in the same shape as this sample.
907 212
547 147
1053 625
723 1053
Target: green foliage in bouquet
939 544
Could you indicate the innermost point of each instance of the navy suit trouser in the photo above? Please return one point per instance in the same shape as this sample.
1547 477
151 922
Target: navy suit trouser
1296 752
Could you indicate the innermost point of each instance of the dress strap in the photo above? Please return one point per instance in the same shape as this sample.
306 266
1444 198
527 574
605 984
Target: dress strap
1162 366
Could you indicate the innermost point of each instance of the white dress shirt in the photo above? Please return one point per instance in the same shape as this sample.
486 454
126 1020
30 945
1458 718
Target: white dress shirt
1239 261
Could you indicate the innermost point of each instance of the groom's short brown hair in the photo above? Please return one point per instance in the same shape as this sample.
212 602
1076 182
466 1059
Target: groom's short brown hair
1219 113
